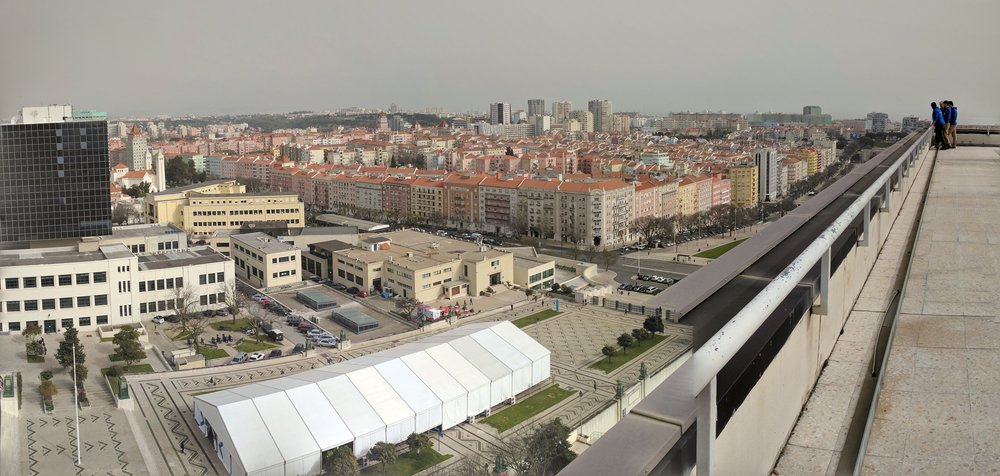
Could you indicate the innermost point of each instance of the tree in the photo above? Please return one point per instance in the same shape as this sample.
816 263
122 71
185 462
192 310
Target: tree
234 300
124 214
64 355
259 319
384 453
556 287
417 442
608 351
48 389
81 374
180 171
340 461
550 450
128 349
406 306
138 190
185 303
33 347
608 258
640 334
625 341
653 324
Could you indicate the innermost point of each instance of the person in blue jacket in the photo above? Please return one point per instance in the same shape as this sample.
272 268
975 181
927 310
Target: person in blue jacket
946 115
937 119
952 123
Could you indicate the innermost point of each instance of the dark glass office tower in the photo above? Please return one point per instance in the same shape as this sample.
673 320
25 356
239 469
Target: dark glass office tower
54 180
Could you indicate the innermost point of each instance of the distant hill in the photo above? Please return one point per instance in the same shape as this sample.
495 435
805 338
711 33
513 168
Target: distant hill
323 122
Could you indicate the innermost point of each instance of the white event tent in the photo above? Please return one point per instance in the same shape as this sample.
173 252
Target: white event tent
283 426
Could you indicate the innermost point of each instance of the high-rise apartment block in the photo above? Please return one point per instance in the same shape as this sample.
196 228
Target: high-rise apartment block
876 122
910 124
54 175
561 110
812 111
500 113
601 109
585 118
743 182
137 155
768 169
536 107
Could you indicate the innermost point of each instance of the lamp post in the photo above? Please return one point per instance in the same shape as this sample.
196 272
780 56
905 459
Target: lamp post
76 406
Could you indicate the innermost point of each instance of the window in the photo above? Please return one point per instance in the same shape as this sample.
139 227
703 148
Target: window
212 299
48 304
170 283
179 282
30 282
101 300
83 301
202 279
495 263
11 283
65 279
84 321
142 286
13 306
340 273
203 300
67 322
82 278
102 320
221 277
101 277
425 275
221 297
142 307
151 285
31 305
211 278
159 284
66 303
14 326
48 281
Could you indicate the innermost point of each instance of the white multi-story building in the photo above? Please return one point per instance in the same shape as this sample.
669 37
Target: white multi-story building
500 113
95 285
768 171
263 261
137 155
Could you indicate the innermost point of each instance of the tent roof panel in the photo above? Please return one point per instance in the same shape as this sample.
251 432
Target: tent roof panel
251 439
382 397
327 427
351 405
502 349
467 374
290 433
521 340
409 387
434 376
483 359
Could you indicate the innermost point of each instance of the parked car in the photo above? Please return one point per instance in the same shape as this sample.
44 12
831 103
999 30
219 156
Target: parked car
362 294
315 332
326 342
293 320
255 357
339 287
276 335
249 331
315 279
304 326
158 320
259 297
298 349
274 353
239 358
352 291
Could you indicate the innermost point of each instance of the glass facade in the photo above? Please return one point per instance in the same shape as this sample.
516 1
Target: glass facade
54 181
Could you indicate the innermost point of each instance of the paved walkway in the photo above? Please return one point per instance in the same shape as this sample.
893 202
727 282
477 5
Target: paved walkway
938 410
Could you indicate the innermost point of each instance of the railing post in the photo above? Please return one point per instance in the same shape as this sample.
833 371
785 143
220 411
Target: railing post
886 197
824 285
867 222
707 413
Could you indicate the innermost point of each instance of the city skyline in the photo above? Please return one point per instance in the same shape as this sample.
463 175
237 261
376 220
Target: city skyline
166 61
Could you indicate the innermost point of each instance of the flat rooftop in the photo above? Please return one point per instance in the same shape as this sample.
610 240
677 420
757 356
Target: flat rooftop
30 257
132 231
263 242
190 256
341 220
937 412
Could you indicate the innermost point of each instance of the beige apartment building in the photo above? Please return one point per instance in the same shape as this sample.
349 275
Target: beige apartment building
265 262
205 208
421 266
743 185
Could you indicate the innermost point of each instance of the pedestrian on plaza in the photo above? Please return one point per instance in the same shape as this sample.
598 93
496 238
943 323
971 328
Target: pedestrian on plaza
953 123
937 119
182 446
512 307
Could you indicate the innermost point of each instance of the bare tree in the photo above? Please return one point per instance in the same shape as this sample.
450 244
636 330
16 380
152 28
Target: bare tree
234 300
260 317
185 306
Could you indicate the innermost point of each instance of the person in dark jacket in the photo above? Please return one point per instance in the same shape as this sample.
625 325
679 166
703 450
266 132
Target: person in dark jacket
952 123
946 115
937 119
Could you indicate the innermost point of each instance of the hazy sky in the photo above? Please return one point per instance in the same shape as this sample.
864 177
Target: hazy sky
201 57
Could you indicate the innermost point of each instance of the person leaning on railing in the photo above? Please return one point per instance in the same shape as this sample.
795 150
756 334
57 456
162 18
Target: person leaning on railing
937 118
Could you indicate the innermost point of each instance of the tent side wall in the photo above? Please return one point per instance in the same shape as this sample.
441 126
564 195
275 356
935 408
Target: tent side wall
398 431
363 443
454 411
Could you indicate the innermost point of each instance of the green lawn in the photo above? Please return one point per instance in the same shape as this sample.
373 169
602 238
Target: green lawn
134 369
527 408
536 317
182 335
229 326
36 359
212 353
249 345
621 358
408 464
719 250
